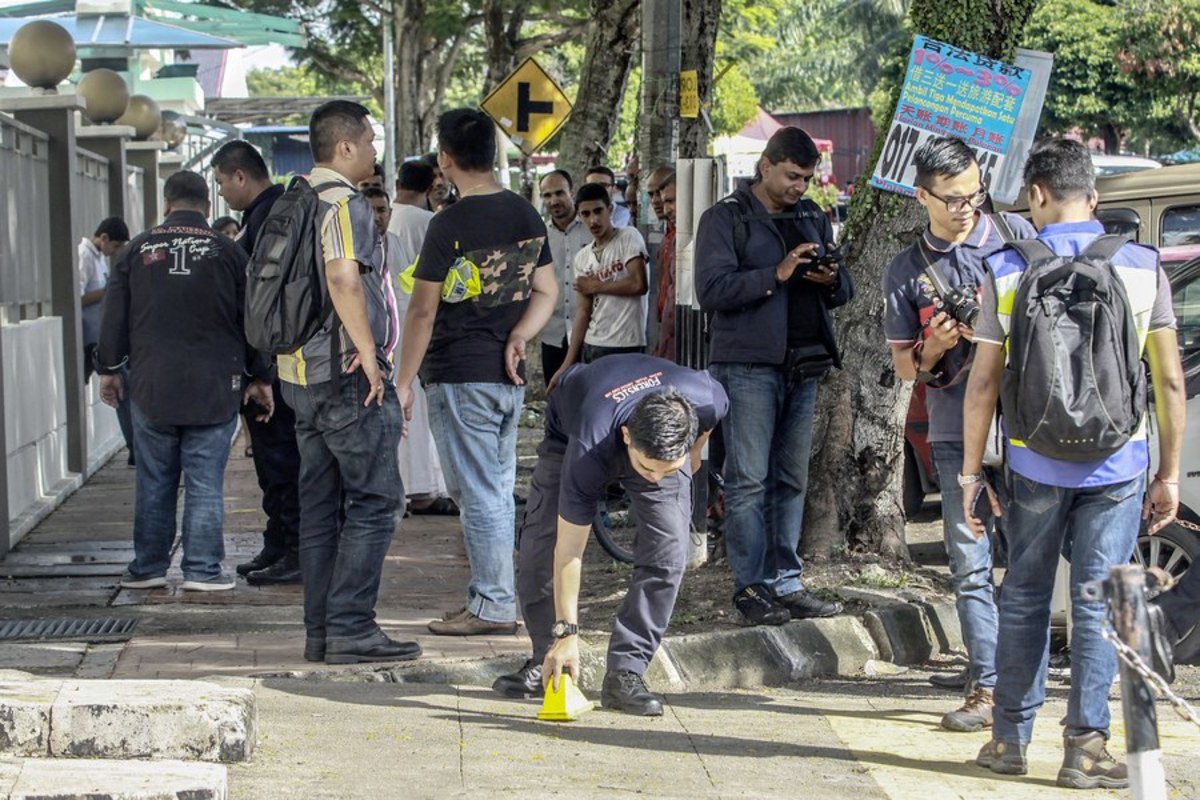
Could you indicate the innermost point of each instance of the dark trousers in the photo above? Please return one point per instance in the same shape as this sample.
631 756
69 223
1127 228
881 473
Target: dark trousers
277 465
124 416
1181 605
552 359
349 493
663 512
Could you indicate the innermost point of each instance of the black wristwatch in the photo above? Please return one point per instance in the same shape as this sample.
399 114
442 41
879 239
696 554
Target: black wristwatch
562 629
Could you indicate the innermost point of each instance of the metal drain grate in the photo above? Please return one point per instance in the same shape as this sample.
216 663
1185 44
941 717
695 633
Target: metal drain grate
90 629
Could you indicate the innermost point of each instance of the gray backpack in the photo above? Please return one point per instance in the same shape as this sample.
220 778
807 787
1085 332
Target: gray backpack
1074 388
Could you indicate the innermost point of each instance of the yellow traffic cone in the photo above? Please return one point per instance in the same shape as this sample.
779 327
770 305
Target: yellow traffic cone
566 704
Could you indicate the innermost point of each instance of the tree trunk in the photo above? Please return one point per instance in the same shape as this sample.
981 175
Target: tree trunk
502 28
612 39
1112 138
857 466
409 36
698 34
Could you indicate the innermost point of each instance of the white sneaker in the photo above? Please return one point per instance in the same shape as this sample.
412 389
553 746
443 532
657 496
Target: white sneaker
221 583
131 581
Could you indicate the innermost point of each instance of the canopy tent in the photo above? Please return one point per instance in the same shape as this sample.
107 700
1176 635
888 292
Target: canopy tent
743 150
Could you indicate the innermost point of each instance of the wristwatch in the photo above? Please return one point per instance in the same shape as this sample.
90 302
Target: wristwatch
562 629
967 480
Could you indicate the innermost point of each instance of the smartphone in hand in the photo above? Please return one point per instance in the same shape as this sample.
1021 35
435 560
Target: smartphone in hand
981 509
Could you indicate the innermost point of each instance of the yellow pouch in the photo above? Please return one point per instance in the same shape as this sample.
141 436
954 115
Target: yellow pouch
462 281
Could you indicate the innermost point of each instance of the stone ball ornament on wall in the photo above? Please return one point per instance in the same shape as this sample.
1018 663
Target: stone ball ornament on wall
42 53
172 129
105 94
143 115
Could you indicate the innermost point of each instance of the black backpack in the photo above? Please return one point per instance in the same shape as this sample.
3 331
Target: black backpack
1074 388
286 298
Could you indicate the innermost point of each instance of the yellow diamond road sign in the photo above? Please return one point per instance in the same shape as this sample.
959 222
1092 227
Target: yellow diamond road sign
528 106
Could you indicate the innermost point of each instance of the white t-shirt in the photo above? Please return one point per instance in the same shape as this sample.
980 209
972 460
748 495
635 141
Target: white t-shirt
616 321
408 224
93 275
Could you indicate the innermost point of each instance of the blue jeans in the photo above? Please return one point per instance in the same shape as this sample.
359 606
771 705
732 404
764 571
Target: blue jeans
475 425
768 435
349 493
199 452
970 568
1096 528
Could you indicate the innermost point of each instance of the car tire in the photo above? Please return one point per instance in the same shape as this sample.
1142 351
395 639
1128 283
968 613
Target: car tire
913 493
1174 549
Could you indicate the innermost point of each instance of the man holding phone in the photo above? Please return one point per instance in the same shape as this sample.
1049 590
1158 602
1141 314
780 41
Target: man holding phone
932 347
758 270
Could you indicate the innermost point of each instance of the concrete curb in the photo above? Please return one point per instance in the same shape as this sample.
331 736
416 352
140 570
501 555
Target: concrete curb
53 779
902 630
192 720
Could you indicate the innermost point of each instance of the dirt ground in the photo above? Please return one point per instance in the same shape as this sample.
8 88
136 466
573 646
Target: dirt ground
705 599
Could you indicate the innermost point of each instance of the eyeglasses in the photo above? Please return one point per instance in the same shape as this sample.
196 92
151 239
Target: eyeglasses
957 205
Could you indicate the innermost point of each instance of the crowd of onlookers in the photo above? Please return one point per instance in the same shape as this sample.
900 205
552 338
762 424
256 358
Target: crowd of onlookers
407 399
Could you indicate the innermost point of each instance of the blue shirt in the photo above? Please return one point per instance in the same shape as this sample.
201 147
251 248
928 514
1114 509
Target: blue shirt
1134 262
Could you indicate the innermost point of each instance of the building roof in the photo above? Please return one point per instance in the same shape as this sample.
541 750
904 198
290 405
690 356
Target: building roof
243 110
124 32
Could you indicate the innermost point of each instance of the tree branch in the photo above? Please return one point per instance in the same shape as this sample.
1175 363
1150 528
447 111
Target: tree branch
547 41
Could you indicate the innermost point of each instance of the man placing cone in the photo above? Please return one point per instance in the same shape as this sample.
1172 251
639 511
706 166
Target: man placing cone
641 421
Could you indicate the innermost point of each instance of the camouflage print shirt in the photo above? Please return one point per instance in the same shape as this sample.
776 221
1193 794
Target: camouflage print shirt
505 239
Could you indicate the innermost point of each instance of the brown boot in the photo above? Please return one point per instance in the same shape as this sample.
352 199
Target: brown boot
975 714
1087 764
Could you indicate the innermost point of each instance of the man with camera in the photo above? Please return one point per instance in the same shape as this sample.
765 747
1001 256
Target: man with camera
932 303
764 271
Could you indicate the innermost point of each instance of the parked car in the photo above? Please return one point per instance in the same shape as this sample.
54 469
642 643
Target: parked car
1106 165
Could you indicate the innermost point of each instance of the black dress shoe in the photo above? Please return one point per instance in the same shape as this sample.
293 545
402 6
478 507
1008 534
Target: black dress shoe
954 681
806 605
285 570
626 691
377 647
314 650
525 682
264 559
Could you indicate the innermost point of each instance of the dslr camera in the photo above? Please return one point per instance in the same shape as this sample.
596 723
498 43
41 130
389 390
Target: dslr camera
960 302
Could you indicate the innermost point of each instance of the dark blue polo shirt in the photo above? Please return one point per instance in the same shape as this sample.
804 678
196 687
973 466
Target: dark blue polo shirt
593 401
909 297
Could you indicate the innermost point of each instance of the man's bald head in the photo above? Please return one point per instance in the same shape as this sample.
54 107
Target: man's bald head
659 179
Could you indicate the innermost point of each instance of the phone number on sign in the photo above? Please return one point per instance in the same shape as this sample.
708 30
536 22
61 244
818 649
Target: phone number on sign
903 141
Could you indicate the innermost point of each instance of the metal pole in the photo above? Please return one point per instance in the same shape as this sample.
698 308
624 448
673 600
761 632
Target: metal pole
1126 588
389 96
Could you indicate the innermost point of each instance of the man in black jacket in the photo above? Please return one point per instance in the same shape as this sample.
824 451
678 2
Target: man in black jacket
173 314
765 271
245 184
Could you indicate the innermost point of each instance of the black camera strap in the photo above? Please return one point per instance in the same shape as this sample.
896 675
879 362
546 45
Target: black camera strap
942 289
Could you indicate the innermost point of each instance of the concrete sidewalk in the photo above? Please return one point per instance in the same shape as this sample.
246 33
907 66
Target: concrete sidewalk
70 565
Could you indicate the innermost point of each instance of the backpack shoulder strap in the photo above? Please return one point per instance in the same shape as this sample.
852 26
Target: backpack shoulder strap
1104 247
1032 250
741 224
1003 228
